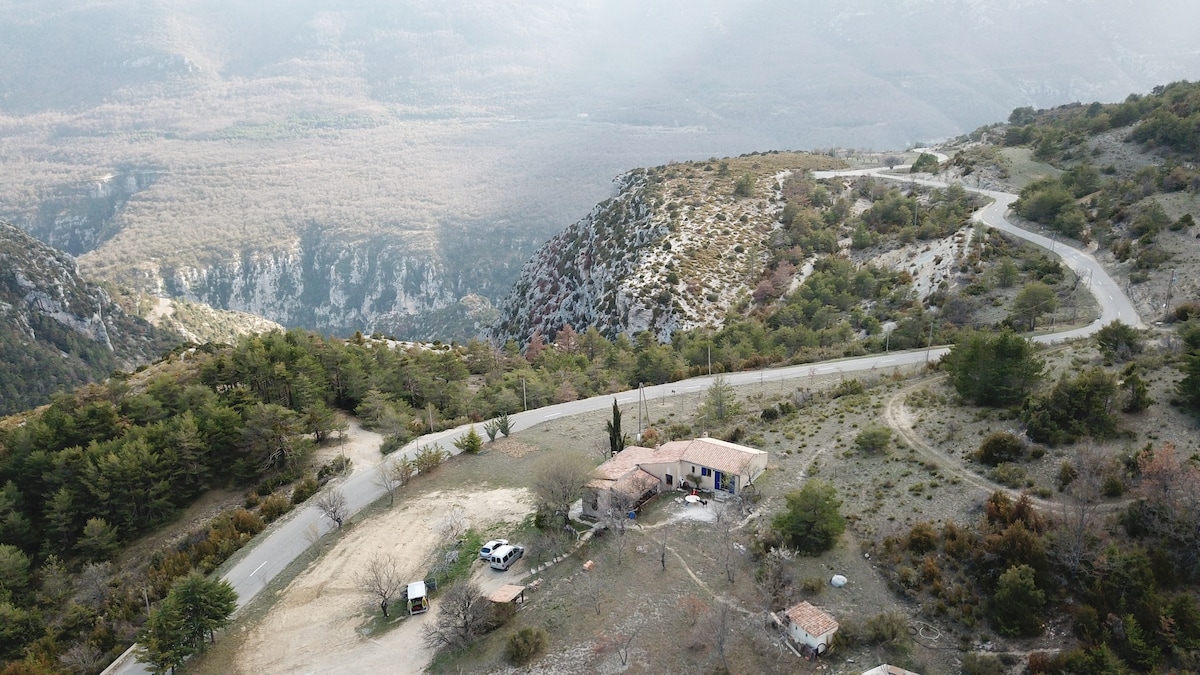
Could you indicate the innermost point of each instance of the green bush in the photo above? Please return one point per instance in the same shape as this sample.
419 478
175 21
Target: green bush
470 442
849 387
993 369
526 644
334 467
392 443
889 630
811 524
1016 608
305 489
1074 408
1119 341
922 538
1010 475
275 505
1000 447
926 163
873 439
744 186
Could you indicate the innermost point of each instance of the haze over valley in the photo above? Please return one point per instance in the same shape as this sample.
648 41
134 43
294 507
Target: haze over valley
390 167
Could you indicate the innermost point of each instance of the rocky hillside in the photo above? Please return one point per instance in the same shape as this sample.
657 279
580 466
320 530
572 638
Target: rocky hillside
675 249
58 330
194 147
1121 178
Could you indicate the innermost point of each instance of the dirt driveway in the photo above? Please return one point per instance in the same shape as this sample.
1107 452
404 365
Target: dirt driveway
314 626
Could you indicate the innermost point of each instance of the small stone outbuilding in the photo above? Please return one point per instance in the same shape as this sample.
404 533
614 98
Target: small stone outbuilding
809 626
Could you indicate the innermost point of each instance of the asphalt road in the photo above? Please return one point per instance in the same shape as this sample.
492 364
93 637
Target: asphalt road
284 541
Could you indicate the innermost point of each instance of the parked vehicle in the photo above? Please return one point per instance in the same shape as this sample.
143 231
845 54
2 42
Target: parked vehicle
504 557
418 599
485 553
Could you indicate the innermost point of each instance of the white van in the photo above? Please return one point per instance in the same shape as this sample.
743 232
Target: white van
504 557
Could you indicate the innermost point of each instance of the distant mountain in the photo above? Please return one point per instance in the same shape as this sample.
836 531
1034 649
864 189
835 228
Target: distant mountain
359 166
58 331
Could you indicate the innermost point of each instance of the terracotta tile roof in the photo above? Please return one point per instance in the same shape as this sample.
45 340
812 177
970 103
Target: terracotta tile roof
714 453
635 483
814 621
630 459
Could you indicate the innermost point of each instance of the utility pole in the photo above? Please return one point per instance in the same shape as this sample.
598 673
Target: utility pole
641 401
710 359
1167 304
929 344
524 396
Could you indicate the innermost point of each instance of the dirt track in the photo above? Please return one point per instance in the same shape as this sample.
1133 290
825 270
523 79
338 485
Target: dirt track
314 625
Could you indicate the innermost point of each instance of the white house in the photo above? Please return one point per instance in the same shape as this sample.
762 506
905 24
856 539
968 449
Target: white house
636 473
810 627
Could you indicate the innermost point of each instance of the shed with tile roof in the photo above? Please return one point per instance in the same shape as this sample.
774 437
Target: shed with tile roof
810 626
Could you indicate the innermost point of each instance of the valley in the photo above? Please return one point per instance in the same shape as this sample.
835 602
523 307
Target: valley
302 301
388 168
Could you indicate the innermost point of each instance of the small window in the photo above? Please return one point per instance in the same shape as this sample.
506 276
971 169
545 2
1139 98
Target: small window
705 471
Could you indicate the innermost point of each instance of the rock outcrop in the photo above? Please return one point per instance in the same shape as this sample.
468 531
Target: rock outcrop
58 330
675 249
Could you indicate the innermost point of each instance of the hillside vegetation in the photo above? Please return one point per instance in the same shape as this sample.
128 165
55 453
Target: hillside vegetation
234 154
753 260
1119 176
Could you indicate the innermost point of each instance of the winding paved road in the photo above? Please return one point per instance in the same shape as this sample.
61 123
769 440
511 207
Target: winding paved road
285 541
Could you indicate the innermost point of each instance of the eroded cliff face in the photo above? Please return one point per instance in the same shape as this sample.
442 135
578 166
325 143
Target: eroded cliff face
323 283
677 248
586 274
79 217
58 330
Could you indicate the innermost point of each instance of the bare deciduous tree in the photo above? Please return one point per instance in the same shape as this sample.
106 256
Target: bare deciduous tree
559 479
774 579
547 545
618 643
1075 534
453 524
464 615
660 543
593 588
94 584
385 477
725 526
1170 493
719 626
381 580
83 658
333 505
693 607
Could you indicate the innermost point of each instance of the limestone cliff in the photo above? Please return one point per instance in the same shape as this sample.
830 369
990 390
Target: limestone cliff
58 330
675 249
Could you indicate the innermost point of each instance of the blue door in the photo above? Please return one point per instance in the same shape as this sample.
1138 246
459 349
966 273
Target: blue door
717 479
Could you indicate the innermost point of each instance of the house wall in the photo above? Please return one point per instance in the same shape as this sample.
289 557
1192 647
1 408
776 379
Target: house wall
660 472
755 469
801 636
597 497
